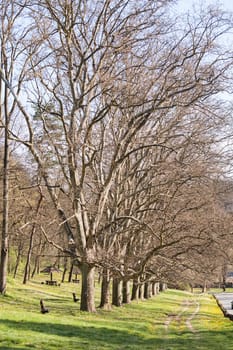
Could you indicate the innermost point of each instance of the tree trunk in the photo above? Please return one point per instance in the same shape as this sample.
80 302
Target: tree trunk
105 291
88 288
5 199
126 292
19 253
204 287
135 290
147 290
29 254
116 292
71 272
162 286
64 270
36 268
155 288
3 265
141 291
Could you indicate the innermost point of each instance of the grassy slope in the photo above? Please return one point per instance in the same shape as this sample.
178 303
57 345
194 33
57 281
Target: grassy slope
159 323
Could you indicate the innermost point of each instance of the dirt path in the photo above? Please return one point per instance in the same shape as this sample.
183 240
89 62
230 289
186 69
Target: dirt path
188 311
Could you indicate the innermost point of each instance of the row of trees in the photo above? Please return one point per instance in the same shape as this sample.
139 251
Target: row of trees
115 110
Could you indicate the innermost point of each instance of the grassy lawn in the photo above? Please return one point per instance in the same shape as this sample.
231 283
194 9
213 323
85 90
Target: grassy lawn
172 320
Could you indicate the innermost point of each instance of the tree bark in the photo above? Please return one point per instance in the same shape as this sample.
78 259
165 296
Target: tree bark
19 253
155 288
88 288
135 290
147 290
105 291
71 272
29 254
116 292
204 287
36 268
64 270
5 196
141 291
126 298
162 286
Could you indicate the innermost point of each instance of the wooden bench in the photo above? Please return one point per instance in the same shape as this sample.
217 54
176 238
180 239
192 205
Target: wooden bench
75 280
51 283
43 309
75 299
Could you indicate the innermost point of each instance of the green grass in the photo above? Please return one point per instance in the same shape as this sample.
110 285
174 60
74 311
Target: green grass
156 324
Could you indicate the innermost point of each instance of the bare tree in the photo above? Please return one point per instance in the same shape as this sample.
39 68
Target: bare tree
32 234
104 74
10 37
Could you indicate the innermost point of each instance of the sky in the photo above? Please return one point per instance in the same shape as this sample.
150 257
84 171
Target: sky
184 6
187 4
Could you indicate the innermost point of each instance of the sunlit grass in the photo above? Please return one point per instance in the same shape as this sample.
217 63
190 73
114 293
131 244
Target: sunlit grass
156 324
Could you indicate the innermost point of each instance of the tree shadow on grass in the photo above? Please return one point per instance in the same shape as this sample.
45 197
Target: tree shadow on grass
94 337
105 338
10 348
